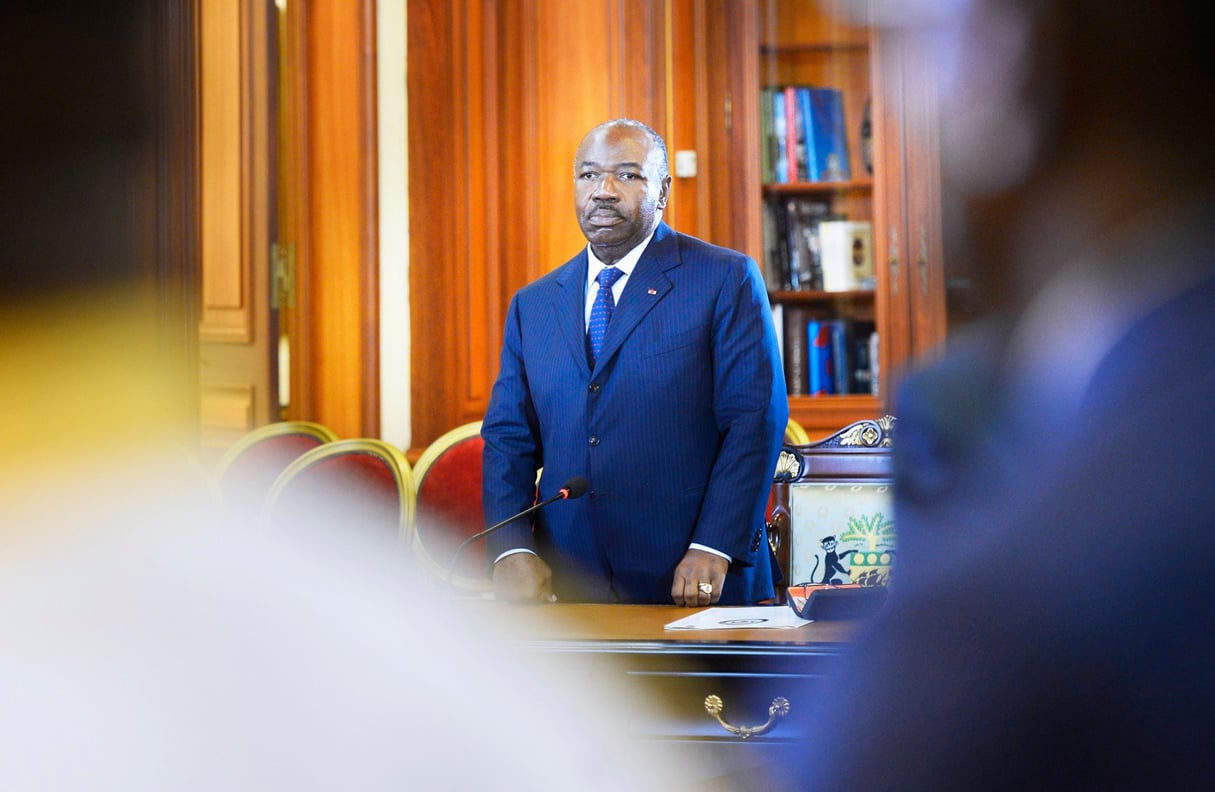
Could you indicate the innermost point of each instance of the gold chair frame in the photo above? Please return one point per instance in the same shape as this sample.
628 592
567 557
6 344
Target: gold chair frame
439 567
388 453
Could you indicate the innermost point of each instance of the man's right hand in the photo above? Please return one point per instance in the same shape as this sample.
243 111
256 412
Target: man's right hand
523 577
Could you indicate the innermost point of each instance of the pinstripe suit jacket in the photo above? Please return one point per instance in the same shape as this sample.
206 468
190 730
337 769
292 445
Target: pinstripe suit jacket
677 427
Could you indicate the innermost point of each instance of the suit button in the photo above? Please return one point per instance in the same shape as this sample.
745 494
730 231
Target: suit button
594 441
594 388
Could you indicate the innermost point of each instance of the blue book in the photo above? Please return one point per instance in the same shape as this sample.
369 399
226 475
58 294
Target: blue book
821 379
830 134
766 134
780 165
841 355
805 116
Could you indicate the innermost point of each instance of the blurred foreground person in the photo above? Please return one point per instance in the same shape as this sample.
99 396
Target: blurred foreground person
149 650
147 644
1050 624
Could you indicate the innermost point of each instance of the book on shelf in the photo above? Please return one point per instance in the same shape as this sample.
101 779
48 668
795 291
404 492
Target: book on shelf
820 377
771 262
875 364
794 334
780 138
830 132
805 111
766 135
792 245
862 343
846 254
795 121
798 264
803 215
778 321
840 356
777 274
825 355
805 134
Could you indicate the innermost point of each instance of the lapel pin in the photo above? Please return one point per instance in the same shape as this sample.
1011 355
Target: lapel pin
653 291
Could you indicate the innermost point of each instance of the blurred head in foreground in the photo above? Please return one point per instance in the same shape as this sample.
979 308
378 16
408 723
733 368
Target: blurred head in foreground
1048 623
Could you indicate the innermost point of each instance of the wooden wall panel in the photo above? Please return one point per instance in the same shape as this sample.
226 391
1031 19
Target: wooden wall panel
482 248
577 54
520 194
923 199
600 59
236 216
227 412
890 244
730 95
683 76
340 222
500 94
227 314
439 215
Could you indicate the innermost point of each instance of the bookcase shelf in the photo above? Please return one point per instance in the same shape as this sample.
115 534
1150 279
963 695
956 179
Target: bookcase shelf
856 302
817 187
821 416
813 48
818 295
814 78
893 186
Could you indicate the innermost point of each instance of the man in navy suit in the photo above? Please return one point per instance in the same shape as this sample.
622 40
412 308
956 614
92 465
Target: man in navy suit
1051 622
664 390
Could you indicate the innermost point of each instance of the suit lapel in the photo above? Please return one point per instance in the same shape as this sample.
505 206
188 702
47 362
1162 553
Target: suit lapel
570 307
644 289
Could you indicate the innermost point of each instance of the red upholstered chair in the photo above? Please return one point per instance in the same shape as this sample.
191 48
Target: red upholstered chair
363 484
448 481
248 468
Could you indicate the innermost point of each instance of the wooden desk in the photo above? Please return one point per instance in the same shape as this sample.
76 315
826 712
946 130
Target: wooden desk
750 671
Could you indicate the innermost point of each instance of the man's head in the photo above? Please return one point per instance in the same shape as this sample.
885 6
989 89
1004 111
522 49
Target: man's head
621 186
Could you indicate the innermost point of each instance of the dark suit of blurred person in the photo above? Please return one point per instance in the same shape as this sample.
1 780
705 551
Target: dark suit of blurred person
1051 618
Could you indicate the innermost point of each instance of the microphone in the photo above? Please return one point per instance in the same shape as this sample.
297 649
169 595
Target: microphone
574 488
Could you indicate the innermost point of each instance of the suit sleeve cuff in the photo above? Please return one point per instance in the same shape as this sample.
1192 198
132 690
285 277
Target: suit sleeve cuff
518 550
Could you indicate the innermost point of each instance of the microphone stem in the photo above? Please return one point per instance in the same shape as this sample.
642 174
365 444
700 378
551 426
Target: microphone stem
561 495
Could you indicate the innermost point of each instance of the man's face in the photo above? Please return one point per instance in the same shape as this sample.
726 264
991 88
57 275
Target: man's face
619 189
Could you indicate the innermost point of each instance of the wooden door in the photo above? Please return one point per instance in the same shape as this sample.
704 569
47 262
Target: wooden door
236 151
289 232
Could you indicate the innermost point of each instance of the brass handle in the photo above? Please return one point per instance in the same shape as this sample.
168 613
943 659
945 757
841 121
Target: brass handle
893 258
778 709
922 261
282 266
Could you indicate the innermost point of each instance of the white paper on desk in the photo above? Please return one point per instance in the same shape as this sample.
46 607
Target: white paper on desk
758 617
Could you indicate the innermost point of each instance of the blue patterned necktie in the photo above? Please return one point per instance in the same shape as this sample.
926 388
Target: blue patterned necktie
601 311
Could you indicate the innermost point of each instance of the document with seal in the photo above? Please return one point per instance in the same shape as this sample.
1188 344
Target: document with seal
741 618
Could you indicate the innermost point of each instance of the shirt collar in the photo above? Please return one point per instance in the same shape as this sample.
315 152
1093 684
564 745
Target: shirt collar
626 264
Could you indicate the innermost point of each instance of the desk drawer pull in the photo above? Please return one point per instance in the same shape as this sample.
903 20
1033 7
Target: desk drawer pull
778 709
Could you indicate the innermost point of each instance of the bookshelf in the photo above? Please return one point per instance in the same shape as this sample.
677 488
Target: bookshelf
890 184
